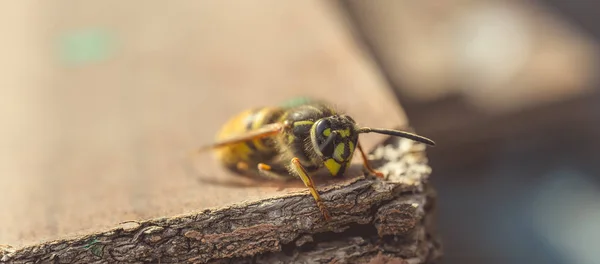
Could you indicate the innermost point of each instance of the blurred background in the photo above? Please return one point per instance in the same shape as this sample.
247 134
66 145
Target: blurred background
92 93
509 90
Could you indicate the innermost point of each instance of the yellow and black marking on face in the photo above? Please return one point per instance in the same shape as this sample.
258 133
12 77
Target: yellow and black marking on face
335 139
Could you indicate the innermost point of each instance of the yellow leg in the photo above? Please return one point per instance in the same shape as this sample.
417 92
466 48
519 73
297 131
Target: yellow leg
242 166
311 186
265 171
264 167
366 162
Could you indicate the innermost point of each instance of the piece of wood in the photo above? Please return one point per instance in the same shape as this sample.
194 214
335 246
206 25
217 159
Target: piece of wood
380 220
87 145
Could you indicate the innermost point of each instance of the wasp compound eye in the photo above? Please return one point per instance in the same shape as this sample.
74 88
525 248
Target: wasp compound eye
324 137
323 128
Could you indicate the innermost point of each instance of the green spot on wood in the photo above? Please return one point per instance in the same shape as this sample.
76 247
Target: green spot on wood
86 46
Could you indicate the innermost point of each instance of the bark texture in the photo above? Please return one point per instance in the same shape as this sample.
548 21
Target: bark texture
377 221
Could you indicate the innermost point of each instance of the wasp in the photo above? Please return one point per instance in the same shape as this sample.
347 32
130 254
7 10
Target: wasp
295 140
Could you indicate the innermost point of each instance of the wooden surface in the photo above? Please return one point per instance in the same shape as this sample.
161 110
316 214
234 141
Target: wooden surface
90 144
371 219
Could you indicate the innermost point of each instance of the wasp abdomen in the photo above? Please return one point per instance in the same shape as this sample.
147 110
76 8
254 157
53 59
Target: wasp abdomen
250 152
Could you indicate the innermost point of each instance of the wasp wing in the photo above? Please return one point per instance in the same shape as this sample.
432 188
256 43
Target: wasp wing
262 132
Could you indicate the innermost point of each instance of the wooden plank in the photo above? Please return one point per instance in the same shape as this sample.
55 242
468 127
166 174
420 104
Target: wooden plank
99 138
373 220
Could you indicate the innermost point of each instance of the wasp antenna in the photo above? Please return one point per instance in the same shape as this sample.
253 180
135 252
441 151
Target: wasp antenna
397 133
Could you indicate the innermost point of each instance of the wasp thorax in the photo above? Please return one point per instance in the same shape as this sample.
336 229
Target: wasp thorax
334 138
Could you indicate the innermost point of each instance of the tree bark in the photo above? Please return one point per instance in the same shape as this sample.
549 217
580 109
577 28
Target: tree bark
377 221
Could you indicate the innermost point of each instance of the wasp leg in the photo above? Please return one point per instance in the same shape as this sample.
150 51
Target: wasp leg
311 186
267 172
377 173
242 166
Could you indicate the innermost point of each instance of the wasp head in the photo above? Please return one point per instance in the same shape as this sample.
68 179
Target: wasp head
334 140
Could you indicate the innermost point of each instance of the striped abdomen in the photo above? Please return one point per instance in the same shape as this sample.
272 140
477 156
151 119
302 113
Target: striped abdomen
249 152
